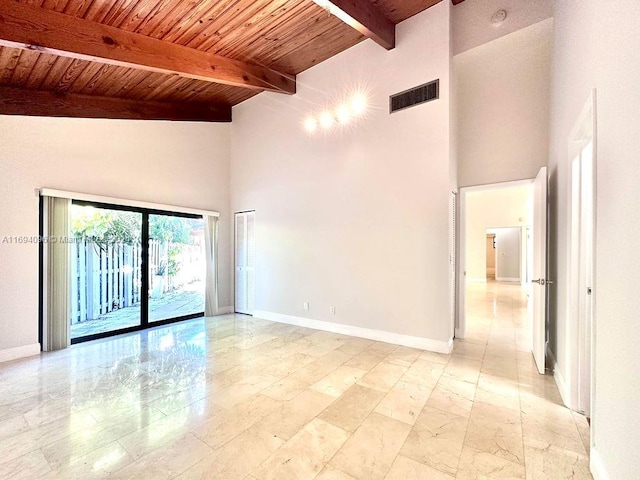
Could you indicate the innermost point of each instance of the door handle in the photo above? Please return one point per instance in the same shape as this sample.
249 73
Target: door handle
539 281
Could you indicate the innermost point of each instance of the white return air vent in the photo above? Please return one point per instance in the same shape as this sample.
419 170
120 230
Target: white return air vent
414 96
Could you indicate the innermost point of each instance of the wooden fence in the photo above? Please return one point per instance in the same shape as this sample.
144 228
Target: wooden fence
108 278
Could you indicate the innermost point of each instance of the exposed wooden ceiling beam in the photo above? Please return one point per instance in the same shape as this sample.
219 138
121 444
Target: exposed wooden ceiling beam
33 28
17 101
365 17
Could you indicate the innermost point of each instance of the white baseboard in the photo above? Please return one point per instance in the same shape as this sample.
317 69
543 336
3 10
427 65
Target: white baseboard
19 352
508 279
562 387
559 378
226 310
596 466
378 335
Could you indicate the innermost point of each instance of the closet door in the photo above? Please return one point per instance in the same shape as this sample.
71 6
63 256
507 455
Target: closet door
245 262
250 262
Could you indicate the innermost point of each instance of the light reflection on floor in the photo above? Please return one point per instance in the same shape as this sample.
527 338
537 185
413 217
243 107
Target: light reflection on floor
235 397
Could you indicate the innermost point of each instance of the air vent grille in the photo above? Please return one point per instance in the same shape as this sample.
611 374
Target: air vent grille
414 96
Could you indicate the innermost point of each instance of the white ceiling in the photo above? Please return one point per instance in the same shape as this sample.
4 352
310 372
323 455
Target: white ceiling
471 20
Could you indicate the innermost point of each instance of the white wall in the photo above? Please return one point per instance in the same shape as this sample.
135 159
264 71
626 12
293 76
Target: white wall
184 164
508 259
472 25
487 209
596 44
354 218
502 90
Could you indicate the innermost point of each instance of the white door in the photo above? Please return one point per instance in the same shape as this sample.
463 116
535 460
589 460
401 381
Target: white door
582 241
452 262
245 262
539 288
582 156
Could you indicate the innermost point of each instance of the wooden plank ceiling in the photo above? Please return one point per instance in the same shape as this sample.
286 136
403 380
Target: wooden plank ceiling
280 37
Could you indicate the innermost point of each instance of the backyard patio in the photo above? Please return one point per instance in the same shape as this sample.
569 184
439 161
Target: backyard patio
186 301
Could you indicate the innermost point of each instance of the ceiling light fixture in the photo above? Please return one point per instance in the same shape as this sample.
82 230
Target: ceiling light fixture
358 104
326 119
310 124
342 114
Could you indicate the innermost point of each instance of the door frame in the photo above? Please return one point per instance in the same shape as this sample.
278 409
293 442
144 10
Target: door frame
583 133
235 258
461 321
495 253
145 211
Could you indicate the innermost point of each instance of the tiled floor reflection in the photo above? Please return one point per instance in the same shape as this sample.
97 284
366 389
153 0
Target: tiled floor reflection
235 397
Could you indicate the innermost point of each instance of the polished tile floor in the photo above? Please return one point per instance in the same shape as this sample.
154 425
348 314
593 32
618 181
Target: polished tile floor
235 397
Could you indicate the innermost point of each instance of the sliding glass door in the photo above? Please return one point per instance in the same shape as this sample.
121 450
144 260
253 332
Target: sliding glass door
176 266
132 268
106 273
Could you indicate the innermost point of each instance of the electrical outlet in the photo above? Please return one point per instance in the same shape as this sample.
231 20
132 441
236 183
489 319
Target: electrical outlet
332 309
305 305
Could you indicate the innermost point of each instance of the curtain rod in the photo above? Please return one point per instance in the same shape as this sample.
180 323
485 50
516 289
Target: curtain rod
87 197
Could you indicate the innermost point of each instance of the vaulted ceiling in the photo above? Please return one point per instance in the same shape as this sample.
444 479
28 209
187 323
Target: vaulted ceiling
173 59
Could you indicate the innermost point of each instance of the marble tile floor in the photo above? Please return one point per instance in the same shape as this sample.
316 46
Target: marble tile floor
235 397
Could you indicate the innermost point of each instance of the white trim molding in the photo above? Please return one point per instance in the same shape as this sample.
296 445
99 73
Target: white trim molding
87 197
15 353
596 466
370 334
508 279
499 185
560 381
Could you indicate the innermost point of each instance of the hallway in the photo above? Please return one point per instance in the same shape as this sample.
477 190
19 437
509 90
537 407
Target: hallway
514 413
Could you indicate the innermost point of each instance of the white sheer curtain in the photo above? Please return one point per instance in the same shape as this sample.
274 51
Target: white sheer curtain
211 257
56 332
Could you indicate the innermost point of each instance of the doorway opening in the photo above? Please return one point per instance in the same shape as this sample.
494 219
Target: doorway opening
495 223
507 256
491 256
